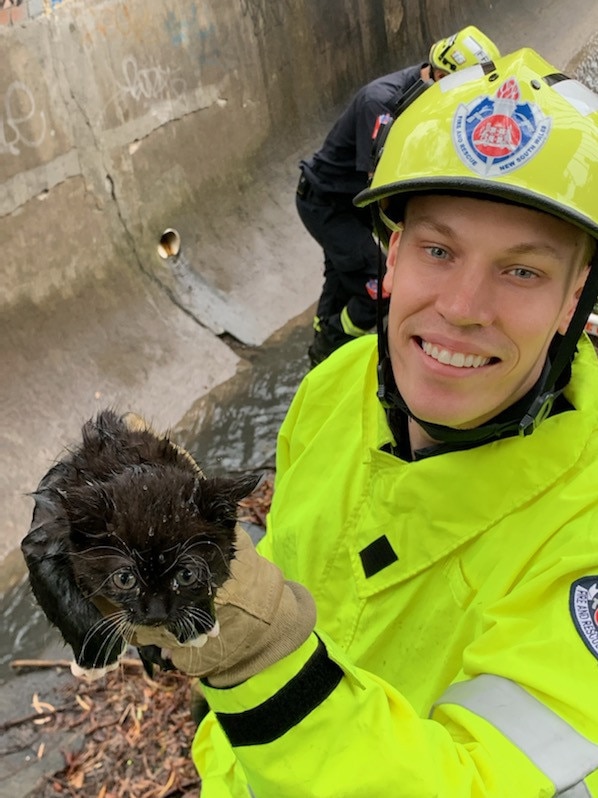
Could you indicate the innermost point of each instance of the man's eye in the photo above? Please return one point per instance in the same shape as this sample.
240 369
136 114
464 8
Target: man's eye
437 252
523 273
124 580
185 577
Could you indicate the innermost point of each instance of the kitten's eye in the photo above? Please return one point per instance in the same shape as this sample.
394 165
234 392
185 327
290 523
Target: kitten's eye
185 577
124 580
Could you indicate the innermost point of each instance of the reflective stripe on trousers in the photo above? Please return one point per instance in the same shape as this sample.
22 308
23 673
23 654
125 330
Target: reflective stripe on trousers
564 755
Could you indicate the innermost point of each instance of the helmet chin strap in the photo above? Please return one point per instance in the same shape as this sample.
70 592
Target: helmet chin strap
523 416
504 425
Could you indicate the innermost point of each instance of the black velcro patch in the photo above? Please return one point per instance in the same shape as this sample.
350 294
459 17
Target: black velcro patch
377 555
279 713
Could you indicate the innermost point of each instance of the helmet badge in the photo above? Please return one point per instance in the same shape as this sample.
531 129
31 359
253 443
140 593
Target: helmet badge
496 135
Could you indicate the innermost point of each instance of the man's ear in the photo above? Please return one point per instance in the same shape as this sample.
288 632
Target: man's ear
570 306
391 261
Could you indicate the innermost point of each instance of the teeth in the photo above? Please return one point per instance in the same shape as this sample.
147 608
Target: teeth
458 359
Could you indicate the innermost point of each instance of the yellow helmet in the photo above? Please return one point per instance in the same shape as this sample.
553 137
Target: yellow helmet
523 132
465 48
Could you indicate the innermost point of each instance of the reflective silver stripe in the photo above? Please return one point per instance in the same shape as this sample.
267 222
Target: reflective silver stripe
555 747
578 791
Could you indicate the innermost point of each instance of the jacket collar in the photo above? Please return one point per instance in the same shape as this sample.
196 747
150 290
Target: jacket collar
459 495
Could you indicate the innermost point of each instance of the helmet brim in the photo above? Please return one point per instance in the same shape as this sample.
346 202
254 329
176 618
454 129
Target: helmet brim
477 187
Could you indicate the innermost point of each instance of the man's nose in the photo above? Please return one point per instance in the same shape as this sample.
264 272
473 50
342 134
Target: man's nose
467 297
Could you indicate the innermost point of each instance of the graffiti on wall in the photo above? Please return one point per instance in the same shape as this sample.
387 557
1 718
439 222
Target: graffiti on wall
264 14
192 29
21 123
150 83
146 84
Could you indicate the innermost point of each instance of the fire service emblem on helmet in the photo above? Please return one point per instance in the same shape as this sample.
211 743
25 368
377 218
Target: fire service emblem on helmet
495 135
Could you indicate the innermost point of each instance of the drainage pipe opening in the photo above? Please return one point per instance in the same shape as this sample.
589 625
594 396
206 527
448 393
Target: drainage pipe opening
170 244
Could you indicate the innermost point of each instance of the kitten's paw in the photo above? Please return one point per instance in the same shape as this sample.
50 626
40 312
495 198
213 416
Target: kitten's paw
201 640
197 642
214 631
91 674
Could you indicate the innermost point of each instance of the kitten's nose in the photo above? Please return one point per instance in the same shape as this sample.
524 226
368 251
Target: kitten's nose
155 611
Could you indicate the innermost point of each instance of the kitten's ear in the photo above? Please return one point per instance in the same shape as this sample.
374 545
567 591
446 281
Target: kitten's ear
217 498
241 487
89 510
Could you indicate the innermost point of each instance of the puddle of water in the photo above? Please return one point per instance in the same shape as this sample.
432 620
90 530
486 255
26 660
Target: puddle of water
231 429
234 428
25 630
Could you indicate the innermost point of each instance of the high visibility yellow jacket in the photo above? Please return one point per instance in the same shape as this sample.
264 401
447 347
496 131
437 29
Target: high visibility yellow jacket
456 648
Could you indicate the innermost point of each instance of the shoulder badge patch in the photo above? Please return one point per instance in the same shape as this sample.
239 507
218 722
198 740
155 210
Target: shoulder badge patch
583 602
495 135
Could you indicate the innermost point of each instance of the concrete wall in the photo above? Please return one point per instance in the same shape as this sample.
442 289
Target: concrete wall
122 118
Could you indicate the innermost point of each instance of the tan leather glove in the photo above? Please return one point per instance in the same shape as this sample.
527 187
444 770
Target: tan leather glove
262 618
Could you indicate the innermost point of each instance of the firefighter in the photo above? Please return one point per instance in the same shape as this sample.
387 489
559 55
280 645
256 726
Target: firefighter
430 625
340 169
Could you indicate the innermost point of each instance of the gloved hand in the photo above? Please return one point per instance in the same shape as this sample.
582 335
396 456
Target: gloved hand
261 618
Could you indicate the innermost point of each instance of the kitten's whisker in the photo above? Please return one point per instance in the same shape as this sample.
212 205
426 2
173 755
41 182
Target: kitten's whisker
118 620
124 544
194 542
176 547
125 627
93 551
220 642
196 562
100 588
186 628
219 549
108 644
202 617
208 560
107 629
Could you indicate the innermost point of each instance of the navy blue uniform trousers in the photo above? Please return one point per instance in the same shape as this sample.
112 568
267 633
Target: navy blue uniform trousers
350 254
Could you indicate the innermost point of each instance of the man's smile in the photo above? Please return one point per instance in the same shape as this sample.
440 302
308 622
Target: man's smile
452 358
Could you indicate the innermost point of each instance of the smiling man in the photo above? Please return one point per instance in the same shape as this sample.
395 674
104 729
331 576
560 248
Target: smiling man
436 497
481 289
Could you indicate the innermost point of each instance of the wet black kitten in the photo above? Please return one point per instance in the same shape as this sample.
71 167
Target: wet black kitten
127 532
